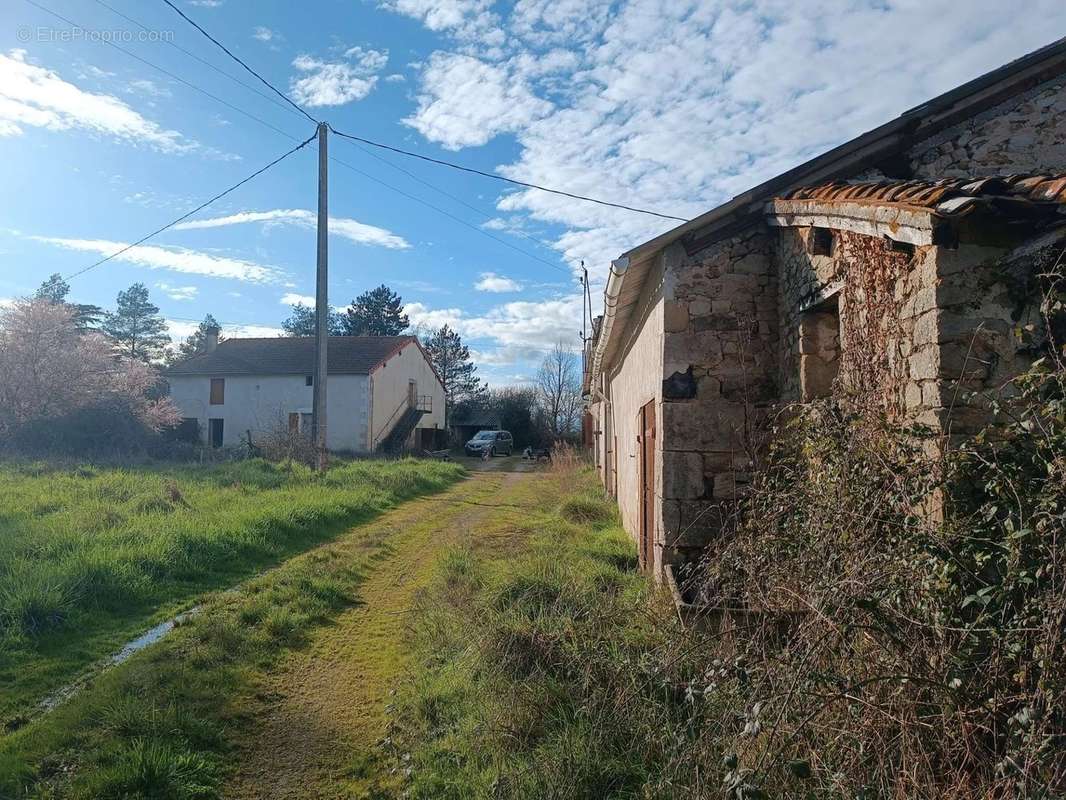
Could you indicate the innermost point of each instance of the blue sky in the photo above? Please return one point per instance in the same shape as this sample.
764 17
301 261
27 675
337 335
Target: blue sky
674 106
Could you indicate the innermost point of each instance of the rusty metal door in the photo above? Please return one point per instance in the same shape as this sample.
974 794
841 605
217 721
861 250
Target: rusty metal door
647 485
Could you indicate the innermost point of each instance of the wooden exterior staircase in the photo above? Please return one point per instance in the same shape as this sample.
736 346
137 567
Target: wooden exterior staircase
402 422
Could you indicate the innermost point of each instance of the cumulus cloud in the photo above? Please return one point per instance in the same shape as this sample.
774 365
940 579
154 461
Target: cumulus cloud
295 299
176 259
468 20
350 229
680 106
465 102
263 34
334 83
512 332
33 96
178 292
491 282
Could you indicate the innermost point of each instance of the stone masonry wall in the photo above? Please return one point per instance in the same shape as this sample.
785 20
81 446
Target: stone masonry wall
881 296
1021 135
720 356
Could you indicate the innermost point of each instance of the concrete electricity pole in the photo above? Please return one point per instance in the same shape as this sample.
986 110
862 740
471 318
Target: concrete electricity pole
318 410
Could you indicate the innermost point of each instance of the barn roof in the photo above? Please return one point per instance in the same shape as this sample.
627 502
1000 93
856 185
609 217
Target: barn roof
292 355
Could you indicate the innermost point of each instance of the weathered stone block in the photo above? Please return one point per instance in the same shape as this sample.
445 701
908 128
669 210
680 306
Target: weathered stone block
675 316
682 475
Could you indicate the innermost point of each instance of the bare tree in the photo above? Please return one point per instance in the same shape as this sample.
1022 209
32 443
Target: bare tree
558 384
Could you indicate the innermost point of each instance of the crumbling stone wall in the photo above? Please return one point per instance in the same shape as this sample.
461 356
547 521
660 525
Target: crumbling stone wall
988 328
1022 135
881 295
719 367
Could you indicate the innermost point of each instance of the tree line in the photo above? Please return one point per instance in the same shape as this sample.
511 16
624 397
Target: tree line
59 358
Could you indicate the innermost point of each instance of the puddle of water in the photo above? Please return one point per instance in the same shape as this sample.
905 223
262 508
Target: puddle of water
149 637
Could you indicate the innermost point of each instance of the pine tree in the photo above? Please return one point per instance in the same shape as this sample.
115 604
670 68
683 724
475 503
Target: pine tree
301 322
378 312
196 341
451 358
55 290
136 327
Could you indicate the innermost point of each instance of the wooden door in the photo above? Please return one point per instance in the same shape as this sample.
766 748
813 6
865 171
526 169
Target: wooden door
412 394
647 485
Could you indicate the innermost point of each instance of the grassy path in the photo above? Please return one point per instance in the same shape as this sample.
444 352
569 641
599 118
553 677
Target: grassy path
324 705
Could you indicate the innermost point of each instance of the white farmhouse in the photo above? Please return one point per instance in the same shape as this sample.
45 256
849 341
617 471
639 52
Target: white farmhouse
383 393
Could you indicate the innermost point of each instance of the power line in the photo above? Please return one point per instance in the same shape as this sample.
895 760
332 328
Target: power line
498 177
448 194
289 136
166 72
189 214
226 50
203 61
451 216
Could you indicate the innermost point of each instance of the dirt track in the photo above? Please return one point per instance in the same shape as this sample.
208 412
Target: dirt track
324 705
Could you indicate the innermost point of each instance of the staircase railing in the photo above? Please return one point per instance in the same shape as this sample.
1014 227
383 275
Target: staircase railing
422 403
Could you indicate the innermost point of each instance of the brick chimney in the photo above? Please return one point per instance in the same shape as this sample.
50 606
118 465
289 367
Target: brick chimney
210 339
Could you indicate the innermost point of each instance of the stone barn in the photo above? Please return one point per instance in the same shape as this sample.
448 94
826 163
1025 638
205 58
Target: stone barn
891 268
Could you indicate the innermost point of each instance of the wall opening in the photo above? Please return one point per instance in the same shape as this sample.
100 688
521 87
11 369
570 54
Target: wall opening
646 423
216 427
218 391
820 242
819 347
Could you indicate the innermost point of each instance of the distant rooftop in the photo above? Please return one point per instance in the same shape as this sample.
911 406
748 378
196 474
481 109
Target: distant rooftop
292 355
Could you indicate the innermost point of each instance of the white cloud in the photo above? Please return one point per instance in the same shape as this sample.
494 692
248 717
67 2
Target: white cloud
181 329
334 83
38 97
177 259
395 77
178 292
518 331
205 3
680 106
464 102
150 88
264 34
294 299
491 282
350 229
466 19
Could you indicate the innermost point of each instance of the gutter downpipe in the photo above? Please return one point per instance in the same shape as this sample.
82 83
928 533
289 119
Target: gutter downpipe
611 291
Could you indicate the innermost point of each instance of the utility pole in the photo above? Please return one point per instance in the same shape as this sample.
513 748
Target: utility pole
318 405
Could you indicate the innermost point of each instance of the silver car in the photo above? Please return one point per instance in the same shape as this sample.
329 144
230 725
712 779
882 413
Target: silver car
492 443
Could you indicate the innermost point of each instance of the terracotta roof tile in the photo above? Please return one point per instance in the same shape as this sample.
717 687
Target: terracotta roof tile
930 194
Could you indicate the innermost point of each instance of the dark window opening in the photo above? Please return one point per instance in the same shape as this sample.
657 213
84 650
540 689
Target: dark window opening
820 242
216 430
901 247
218 391
309 380
819 349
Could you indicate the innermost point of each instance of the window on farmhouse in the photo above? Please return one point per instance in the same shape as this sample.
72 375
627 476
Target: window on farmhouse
819 350
309 380
218 391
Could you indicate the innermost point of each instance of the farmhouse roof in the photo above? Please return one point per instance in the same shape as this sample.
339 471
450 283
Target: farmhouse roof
292 355
628 272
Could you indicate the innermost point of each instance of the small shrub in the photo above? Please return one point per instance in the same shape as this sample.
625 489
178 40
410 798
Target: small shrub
587 511
157 770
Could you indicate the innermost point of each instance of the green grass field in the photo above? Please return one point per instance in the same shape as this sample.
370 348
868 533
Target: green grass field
90 557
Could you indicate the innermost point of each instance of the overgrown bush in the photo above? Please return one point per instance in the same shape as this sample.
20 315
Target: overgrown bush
923 600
